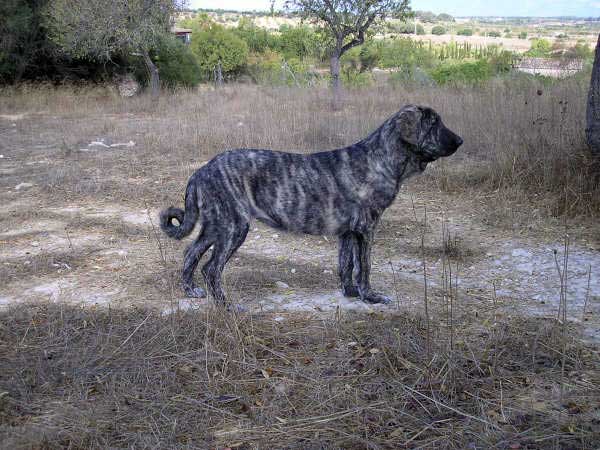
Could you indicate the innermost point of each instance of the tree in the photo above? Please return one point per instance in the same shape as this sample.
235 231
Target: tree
347 22
100 29
219 48
592 130
443 17
438 30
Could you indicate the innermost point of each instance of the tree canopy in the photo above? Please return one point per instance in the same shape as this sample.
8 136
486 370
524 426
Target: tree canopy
348 22
100 29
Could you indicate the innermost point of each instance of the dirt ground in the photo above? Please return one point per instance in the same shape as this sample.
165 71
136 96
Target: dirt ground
78 223
99 348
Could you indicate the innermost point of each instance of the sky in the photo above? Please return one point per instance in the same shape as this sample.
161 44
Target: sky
582 8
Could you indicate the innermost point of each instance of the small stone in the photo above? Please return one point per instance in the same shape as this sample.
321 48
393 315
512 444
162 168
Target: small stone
282 285
35 243
20 186
293 270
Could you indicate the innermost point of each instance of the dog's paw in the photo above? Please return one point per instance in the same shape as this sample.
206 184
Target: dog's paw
376 298
351 291
194 292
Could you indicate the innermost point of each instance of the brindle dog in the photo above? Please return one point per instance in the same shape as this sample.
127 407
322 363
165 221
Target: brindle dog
341 192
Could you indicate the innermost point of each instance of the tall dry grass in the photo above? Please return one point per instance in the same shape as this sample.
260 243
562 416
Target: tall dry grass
524 141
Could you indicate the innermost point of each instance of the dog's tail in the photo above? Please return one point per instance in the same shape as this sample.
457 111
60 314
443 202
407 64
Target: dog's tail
186 219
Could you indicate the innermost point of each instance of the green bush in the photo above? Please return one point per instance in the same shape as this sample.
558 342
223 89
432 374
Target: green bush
540 48
406 53
271 69
465 32
369 56
215 44
176 64
438 30
406 28
462 73
502 62
256 38
298 42
494 34
523 35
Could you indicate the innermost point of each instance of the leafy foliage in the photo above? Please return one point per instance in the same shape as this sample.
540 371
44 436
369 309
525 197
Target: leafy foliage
465 32
438 30
258 39
176 63
298 42
462 73
540 48
214 45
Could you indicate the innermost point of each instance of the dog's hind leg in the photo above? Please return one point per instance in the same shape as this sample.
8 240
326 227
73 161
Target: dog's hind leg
347 251
226 244
193 255
364 242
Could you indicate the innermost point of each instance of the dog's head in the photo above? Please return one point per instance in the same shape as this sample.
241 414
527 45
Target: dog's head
425 133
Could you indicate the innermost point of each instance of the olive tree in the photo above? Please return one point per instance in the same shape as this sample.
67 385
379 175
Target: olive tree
100 29
347 22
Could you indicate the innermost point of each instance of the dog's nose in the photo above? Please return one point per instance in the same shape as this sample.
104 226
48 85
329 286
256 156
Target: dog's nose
459 141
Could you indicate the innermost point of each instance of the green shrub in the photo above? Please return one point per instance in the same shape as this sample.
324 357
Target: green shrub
298 42
406 53
406 28
494 34
271 69
443 17
465 32
256 38
369 56
523 35
462 73
438 30
176 64
502 62
215 44
408 76
540 48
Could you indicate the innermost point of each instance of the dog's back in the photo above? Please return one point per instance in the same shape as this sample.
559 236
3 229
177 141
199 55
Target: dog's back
319 193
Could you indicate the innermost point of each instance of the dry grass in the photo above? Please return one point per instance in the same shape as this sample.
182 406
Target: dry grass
129 378
87 378
521 148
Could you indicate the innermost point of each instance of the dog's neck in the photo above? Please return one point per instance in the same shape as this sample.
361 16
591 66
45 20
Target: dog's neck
400 158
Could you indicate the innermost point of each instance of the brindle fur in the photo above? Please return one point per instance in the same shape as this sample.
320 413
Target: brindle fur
341 192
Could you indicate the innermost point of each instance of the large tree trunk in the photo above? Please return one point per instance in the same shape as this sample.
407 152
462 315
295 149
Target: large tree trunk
153 73
592 130
334 67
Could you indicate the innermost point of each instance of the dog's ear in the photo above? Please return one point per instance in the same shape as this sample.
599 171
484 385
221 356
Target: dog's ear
408 124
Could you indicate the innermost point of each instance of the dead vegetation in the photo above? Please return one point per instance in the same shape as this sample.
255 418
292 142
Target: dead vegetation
466 374
96 378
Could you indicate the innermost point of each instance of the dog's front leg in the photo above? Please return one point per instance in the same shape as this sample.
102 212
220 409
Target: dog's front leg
347 252
364 243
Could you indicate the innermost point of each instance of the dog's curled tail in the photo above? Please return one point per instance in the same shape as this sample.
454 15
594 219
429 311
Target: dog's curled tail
186 219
